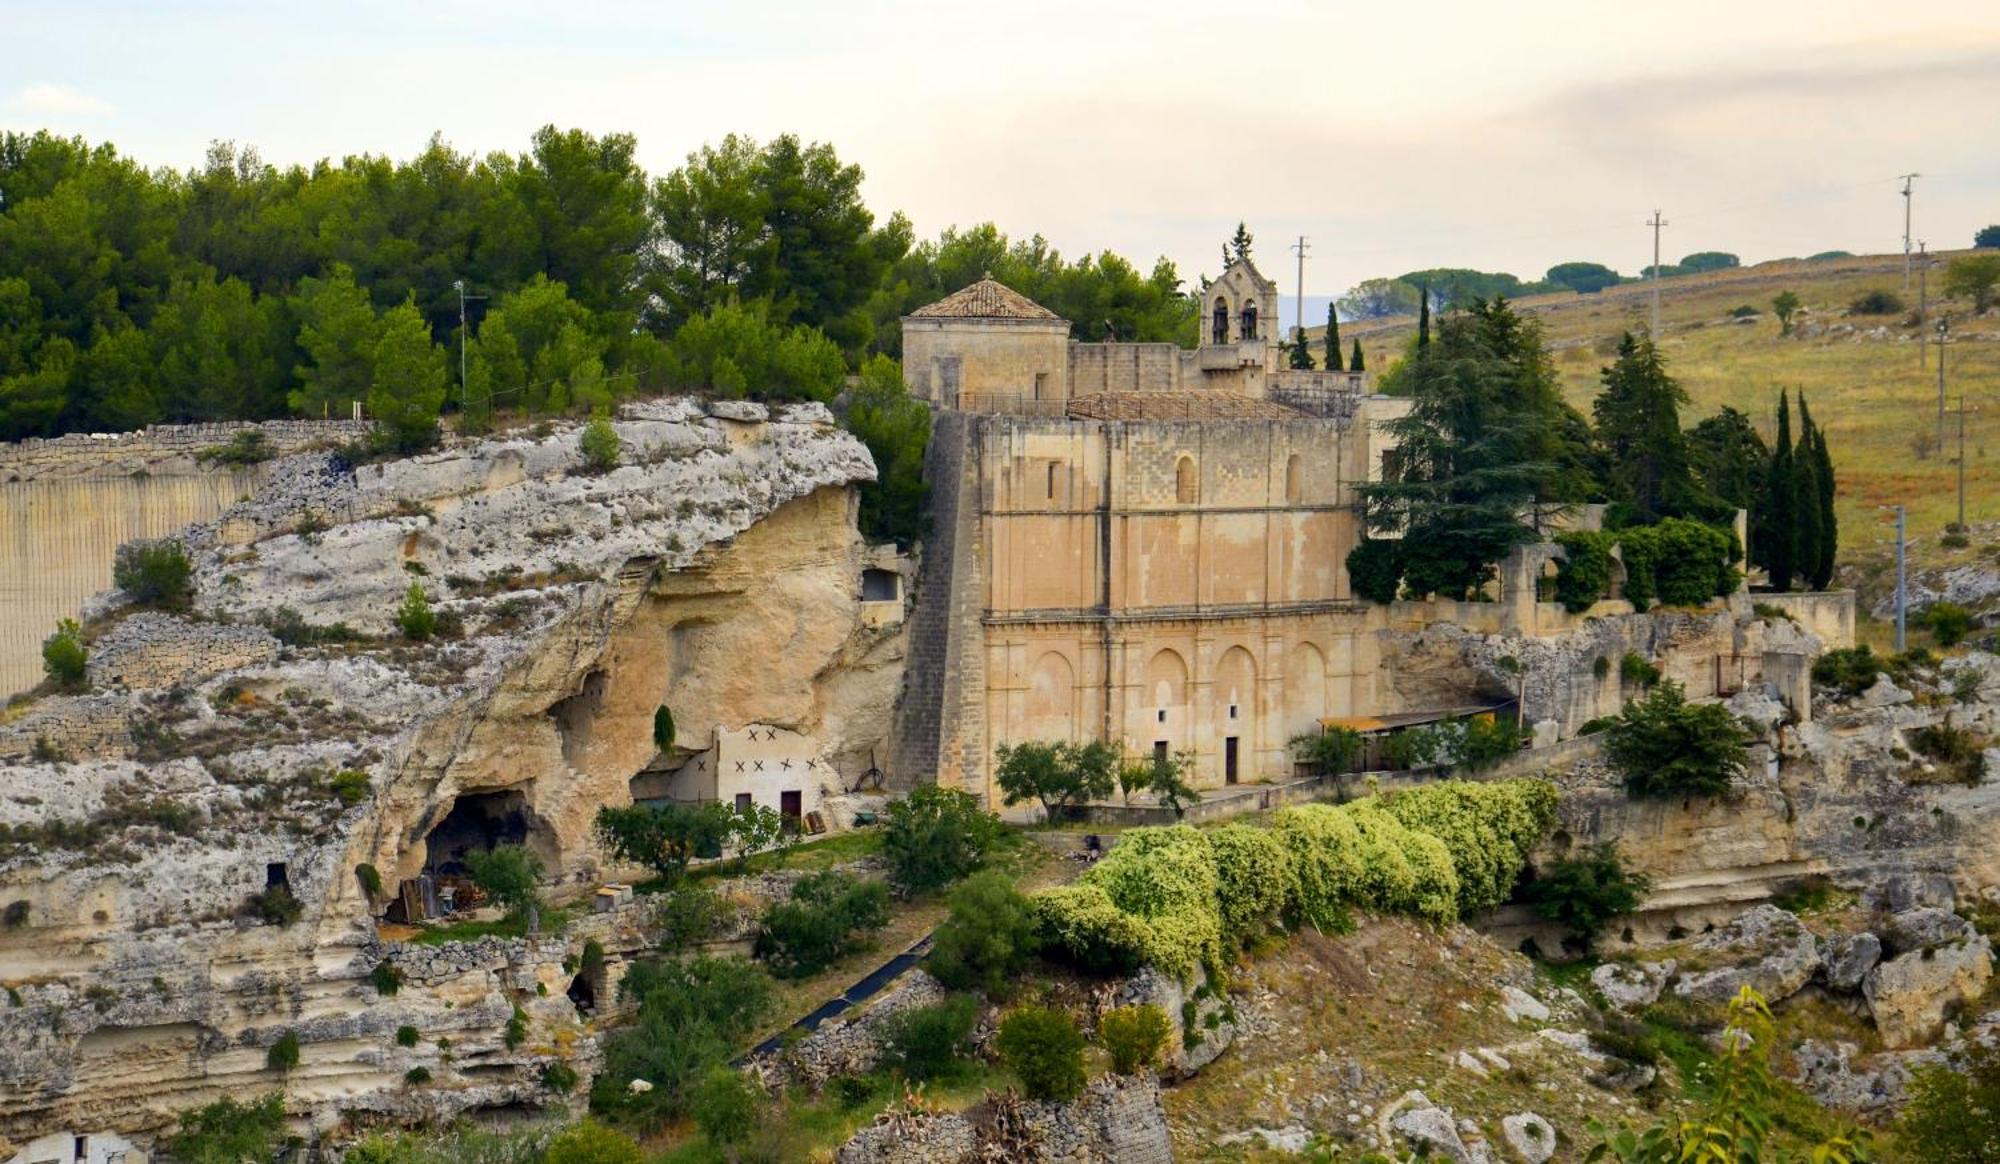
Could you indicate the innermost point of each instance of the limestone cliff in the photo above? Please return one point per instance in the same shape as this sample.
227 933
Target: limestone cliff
281 733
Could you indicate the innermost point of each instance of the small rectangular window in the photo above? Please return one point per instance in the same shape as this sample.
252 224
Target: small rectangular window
1052 480
1232 711
742 801
1162 713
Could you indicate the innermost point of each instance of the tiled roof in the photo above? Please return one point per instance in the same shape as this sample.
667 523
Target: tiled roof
986 299
1177 406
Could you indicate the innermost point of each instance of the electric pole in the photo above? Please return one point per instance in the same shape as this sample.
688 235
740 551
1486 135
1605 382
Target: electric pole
1299 305
464 391
1656 222
1907 179
1923 306
1960 412
1944 333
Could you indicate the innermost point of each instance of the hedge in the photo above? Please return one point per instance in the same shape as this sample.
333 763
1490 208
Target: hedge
1182 899
1678 562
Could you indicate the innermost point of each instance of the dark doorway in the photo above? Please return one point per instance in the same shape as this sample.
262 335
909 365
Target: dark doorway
1221 330
276 876
478 821
1229 772
744 802
792 806
582 993
1159 753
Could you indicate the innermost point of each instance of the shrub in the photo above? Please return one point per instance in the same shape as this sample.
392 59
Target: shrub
1954 539
406 1036
1375 569
417 1076
600 445
1082 925
516 1031
828 916
936 836
1044 1049
388 979
593 956
1584 575
1058 775
1488 828
1876 302
414 617
64 659
1959 754
1331 751
663 728
1635 671
155 573
1849 670
692 1015
1167 878
283 1055
931 1042
1668 747
370 879
559 1077
689 914
349 786
275 906
229 1132
665 836
987 939
247 447
1134 1036
1253 882
1973 277
1586 892
1949 623
1681 562
1743 311
724 1106
1487 740
1953 1114
507 874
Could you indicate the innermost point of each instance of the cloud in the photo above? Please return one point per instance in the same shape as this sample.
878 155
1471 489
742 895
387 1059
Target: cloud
58 101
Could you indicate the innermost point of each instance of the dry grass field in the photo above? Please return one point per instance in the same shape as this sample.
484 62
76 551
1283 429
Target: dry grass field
1866 387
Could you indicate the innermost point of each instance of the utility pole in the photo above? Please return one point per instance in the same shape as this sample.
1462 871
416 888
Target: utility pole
1923 306
1961 412
464 392
1299 305
1944 333
1907 179
1656 222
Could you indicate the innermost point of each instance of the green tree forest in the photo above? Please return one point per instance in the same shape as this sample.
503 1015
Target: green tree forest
242 290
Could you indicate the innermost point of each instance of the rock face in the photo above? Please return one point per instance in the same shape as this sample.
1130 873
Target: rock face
1771 952
1847 959
1201 1020
1632 987
281 736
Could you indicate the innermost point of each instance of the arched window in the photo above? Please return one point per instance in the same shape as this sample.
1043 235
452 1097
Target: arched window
1184 482
1221 322
1249 321
1294 488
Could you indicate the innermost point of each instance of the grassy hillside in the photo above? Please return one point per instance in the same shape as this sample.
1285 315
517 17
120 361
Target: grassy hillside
1866 388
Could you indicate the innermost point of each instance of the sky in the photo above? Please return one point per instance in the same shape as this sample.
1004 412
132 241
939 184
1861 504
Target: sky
1502 136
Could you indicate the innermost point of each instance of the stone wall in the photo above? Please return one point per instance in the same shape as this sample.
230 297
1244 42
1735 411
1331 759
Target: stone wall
948 360
162 449
928 739
1124 368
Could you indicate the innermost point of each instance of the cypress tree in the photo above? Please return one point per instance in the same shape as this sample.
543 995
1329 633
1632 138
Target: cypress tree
1782 542
1301 354
1354 363
1332 341
1805 498
1829 528
1423 317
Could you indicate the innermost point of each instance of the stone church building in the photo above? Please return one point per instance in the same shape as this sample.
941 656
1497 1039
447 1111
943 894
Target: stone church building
1136 543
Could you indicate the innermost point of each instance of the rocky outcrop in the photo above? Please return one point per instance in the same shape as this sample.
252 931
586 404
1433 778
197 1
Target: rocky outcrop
1201 1020
1911 995
280 736
1117 1120
1768 950
1632 987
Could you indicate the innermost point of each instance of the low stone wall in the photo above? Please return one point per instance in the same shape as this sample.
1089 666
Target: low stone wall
1828 614
1213 805
162 449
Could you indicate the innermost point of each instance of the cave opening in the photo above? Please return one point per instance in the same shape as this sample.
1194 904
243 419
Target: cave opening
583 994
481 822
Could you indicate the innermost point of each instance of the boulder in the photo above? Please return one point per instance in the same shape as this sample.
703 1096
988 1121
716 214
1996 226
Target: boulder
1913 994
1432 1128
1884 693
1531 1138
1630 986
742 411
1846 959
1923 928
1520 1006
1898 892
1767 949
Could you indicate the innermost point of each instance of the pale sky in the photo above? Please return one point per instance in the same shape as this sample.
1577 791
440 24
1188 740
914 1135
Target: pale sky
1504 136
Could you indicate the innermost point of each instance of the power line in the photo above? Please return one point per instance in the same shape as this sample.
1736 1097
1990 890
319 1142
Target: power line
1907 200
1656 223
1299 305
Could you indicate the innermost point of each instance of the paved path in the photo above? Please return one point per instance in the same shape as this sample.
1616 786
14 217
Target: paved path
860 992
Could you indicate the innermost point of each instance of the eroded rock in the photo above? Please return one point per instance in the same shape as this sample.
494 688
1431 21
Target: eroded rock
1911 996
1769 950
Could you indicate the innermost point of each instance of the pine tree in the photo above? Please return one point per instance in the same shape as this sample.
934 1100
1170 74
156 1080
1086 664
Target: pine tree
1354 362
1239 244
1331 347
1302 357
409 379
1829 527
1782 532
1638 424
1423 317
